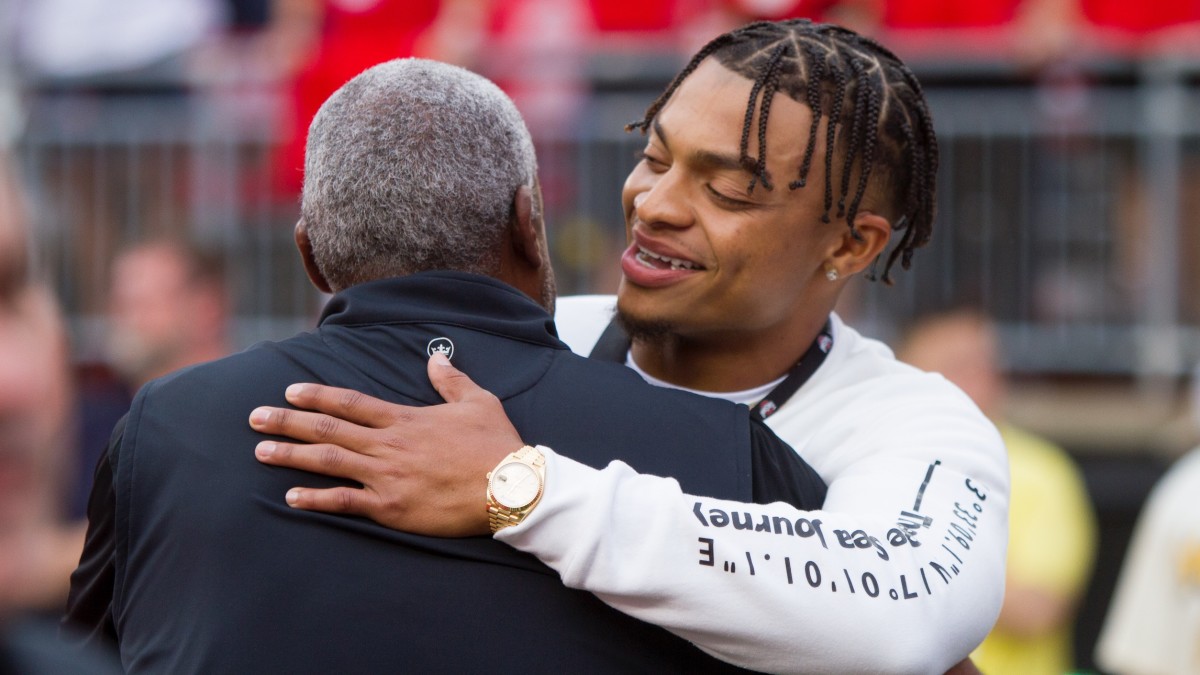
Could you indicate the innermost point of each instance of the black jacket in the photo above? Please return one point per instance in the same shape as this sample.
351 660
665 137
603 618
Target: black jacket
196 565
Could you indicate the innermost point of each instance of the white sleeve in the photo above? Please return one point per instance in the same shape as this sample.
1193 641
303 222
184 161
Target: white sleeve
901 571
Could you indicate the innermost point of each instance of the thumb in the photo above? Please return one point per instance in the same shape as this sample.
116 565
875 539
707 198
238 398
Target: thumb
450 382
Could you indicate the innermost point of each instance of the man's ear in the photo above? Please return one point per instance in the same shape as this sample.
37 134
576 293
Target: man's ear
526 227
306 255
859 248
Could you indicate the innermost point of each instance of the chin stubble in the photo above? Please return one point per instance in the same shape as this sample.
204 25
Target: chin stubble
646 331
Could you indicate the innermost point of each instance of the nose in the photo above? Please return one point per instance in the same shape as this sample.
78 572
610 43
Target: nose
660 200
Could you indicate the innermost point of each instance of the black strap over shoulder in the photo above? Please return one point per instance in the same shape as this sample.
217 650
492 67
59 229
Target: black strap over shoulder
798 375
613 344
778 473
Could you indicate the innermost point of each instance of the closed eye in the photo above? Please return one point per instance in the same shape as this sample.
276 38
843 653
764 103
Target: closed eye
727 201
651 161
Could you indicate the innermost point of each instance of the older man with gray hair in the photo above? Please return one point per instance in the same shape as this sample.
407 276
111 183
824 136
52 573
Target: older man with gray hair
421 212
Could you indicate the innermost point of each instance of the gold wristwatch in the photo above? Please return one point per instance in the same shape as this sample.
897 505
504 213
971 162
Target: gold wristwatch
515 487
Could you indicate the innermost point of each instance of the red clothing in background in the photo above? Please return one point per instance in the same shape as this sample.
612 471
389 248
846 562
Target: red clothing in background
1140 16
355 35
948 13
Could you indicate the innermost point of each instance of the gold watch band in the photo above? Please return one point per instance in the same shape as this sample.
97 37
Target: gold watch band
498 520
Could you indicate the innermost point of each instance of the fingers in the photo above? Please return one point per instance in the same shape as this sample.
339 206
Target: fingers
346 500
452 383
323 458
347 404
309 427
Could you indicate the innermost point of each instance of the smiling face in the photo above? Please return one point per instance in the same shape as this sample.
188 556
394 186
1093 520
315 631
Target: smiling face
710 260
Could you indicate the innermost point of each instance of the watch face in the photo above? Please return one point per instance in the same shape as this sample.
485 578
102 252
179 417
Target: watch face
515 485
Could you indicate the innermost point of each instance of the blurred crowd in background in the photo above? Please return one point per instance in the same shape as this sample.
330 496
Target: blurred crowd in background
152 152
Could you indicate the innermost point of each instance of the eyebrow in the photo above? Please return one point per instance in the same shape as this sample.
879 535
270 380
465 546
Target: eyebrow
707 158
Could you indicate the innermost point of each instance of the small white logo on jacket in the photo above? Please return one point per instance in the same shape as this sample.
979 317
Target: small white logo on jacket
441 345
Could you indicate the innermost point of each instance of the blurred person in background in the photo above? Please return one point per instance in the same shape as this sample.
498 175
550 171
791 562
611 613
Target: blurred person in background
36 424
37 550
1153 622
169 308
1052 526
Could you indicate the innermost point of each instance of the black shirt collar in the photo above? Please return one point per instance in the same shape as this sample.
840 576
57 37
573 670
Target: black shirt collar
452 298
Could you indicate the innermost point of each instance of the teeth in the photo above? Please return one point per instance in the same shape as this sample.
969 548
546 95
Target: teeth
676 263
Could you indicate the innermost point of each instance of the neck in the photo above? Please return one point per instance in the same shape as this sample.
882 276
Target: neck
727 362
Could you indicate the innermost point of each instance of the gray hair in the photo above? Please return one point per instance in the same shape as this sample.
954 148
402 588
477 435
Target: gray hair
412 166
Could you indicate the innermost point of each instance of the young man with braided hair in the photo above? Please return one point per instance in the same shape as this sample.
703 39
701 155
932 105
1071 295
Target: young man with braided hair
777 165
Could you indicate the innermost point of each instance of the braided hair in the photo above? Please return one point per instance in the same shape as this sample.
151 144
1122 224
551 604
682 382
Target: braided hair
877 116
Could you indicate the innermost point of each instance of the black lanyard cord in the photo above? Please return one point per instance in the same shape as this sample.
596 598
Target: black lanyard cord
798 375
614 344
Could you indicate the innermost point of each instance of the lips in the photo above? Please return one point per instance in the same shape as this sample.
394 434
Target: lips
649 264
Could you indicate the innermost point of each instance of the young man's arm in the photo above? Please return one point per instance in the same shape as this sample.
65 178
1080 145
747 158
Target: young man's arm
901 571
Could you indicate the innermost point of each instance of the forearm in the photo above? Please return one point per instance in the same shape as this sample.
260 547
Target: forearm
773 588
